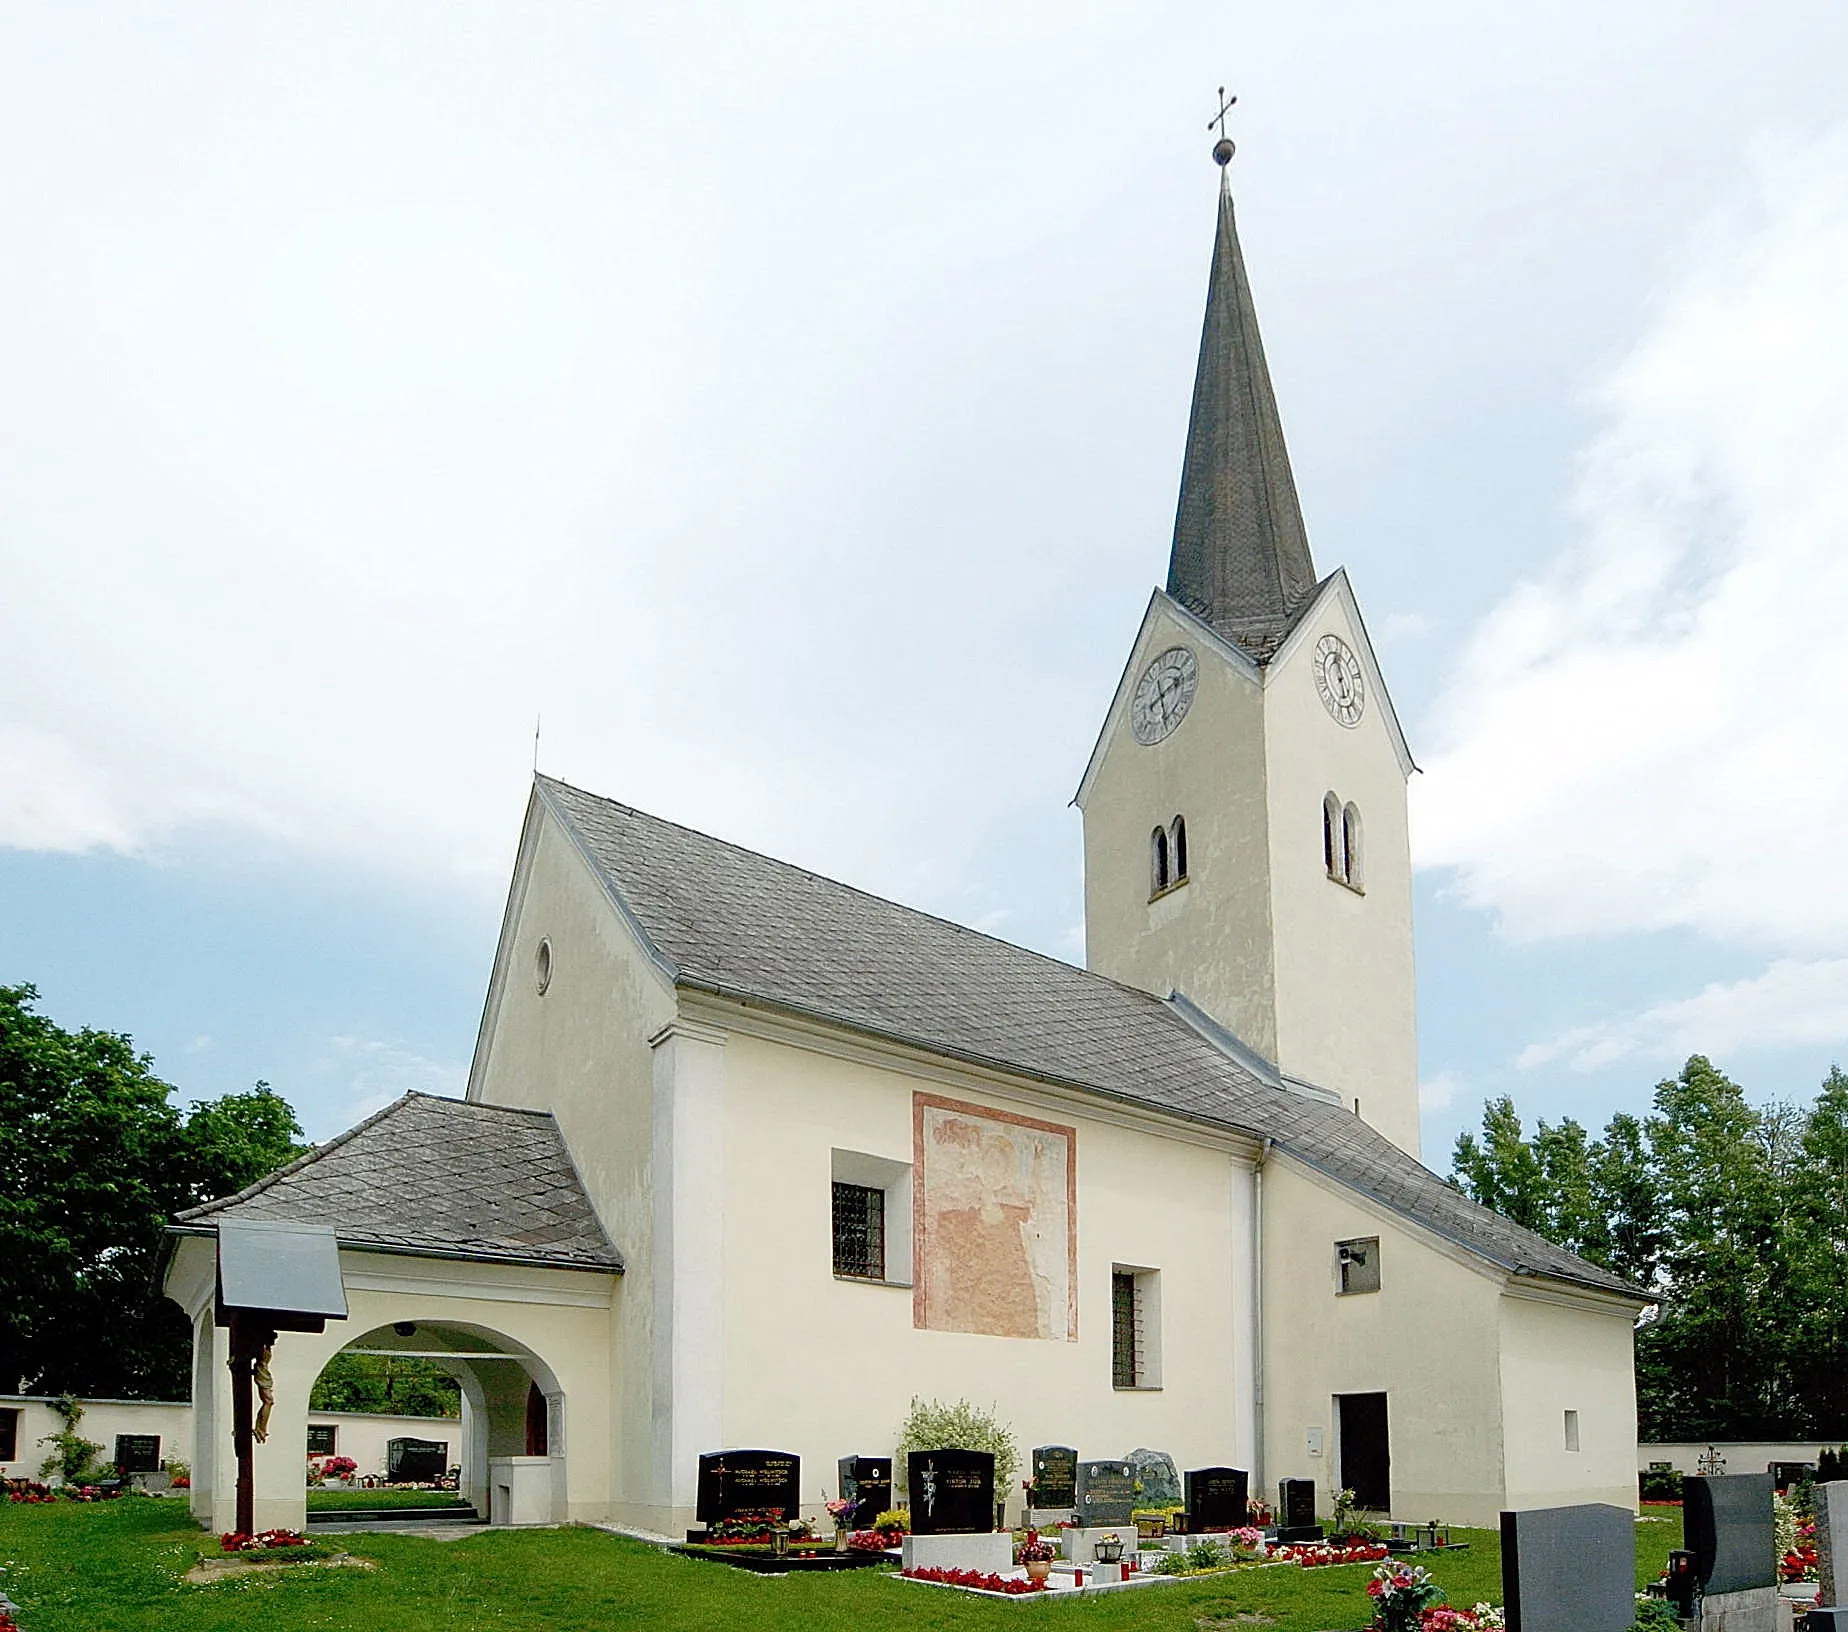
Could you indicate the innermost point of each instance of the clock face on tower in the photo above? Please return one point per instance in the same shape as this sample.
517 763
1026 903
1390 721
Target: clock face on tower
1163 695
1337 679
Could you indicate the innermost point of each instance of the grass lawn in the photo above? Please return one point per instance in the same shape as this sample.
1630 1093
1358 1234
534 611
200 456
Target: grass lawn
115 1567
340 1500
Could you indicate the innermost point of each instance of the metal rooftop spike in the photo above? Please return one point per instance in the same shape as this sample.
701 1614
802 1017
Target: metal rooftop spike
1241 554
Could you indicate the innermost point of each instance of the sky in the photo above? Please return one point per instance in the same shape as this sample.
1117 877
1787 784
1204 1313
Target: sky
783 407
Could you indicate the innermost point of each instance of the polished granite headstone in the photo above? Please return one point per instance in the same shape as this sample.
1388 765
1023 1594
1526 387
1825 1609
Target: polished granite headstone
1106 1493
1296 1511
1157 1483
1055 1476
415 1461
950 1492
1216 1498
732 1483
866 1481
1569 1569
1728 1527
1832 1540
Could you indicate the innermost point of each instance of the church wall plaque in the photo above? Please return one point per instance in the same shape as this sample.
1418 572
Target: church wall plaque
735 1482
950 1492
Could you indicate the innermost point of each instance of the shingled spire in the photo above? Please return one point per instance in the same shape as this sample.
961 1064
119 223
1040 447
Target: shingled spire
1241 555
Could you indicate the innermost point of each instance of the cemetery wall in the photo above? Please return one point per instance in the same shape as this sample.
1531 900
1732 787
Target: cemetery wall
1427 1339
365 1437
581 1051
1559 1354
1347 1005
102 1420
826 1366
1755 1456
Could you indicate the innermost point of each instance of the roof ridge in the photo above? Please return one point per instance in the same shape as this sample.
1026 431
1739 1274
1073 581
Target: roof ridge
855 889
307 1159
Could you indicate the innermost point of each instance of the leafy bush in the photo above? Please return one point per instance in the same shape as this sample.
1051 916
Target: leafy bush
894 1518
930 1425
73 1458
1659 1484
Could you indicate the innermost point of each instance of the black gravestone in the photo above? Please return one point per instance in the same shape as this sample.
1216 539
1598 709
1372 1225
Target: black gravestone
1055 1476
1216 1498
1157 1484
415 1461
137 1453
1106 1493
950 1492
1296 1511
866 1481
1569 1569
736 1482
1729 1529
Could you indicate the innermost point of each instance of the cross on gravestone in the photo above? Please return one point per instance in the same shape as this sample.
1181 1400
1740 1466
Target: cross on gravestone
1569 1569
732 1483
1731 1531
1157 1483
951 1492
1216 1498
866 1481
1106 1493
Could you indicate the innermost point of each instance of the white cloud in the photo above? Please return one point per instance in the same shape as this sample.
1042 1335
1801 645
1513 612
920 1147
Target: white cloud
1792 1004
1439 1092
1652 735
359 1075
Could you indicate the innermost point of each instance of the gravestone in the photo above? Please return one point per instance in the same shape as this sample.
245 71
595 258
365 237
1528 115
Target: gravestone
950 1492
1296 1511
137 1453
1106 1493
866 1481
1158 1485
1729 1529
1831 1505
415 1461
732 1483
1055 1476
1569 1569
1216 1498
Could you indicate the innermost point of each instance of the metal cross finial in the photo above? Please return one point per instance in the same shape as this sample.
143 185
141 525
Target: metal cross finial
1222 149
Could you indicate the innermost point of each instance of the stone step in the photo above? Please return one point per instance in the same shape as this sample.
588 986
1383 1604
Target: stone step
394 1515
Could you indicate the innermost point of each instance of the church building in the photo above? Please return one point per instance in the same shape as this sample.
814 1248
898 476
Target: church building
749 1158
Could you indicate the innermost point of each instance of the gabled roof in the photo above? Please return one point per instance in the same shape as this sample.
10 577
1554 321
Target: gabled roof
1241 555
721 919
437 1178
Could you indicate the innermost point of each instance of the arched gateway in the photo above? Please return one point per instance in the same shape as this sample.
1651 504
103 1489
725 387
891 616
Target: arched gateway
465 1238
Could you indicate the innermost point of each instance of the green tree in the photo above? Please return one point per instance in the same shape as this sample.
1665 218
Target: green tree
94 1160
1503 1172
400 1385
1819 1363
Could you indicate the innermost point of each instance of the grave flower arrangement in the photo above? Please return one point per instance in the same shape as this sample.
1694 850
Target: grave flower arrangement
840 1510
1483 1618
241 1541
1313 1555
29 1490
89 1493
1035 1551
978 1580
1257 1511
1401 1594
335 1467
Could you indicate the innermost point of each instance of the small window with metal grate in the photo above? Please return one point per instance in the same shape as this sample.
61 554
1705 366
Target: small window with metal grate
322 1438
859 1231
1125 1331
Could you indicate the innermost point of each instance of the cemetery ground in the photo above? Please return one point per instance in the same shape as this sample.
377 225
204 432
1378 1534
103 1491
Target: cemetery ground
117 1567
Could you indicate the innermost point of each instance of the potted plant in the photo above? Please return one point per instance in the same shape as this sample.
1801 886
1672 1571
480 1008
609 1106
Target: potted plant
1036 1556
840 1510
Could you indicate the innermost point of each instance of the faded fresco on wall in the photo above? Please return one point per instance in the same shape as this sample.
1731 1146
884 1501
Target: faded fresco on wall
994 1201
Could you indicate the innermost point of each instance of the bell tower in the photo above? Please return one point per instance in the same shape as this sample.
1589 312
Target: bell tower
1245 838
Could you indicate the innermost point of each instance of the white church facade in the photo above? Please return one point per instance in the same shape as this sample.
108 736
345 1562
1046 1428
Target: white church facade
749 1158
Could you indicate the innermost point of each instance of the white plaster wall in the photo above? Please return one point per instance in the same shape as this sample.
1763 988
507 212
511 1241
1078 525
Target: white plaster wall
367 1438
581 1051
1346 1003
102 1420
1211 938
1427 1339
1558 1356
827 1367
1742 1456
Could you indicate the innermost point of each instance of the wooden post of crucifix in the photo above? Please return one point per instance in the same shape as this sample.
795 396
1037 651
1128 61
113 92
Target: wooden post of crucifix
1222 149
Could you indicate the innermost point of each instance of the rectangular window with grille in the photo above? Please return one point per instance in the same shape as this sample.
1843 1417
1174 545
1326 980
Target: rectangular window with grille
322 1438
859 1231
9 1436
1125 1331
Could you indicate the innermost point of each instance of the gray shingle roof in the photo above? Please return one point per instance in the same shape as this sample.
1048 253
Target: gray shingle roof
1241 553
441 1178
729 921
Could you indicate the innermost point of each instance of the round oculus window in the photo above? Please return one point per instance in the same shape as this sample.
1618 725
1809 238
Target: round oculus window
542 966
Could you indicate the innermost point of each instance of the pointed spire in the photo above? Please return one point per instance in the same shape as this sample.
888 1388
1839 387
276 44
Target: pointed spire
1241 555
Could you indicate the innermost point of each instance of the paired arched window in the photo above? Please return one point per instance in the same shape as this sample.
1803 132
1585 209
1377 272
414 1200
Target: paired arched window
1341 841
1168 856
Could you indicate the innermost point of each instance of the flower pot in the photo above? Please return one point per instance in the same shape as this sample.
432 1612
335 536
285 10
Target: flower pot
1038 1569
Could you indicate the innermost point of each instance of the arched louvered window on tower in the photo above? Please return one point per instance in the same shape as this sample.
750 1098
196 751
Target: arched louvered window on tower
1159 875
1332 856
1350 846
1177 849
